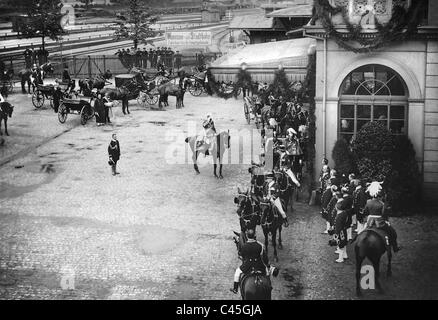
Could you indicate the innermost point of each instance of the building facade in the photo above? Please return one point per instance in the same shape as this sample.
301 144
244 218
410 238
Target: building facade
396 84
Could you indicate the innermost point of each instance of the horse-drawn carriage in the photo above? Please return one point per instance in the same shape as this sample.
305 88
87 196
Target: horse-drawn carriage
252 107
47 92
6 81
82 107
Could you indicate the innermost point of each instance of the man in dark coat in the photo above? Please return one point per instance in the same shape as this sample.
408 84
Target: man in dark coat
359 201
114 154
254 256
178 57
341 226
348 198
28 58
326 197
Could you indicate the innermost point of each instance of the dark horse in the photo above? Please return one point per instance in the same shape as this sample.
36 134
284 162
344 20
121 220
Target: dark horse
254 285
172 89
285 187
370 244
271 222
220 144
98 82
126 92
247 210
38 76
6 110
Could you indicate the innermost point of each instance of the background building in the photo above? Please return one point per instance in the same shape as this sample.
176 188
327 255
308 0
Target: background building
396 84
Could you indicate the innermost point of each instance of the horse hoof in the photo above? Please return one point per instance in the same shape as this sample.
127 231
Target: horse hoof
197 172
221 177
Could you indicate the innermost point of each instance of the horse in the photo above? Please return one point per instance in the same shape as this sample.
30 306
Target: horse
247 210
128 91
6 110
172 89
98 82
254 285
271 222
285 187
219 146
369 244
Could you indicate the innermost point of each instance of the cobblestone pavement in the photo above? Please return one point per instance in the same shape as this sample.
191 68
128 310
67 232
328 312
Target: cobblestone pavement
71 230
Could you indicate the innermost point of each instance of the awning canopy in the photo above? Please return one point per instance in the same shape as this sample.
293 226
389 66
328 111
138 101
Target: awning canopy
291 53
255 22
298 11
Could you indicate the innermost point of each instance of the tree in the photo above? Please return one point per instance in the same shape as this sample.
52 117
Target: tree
86 2
136 24
44 20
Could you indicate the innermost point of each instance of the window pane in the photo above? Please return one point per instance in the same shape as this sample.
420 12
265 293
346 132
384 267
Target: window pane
361 123
364 111
346 125
397 126
397 112
381 90
396 86
380 112
365 89
347 111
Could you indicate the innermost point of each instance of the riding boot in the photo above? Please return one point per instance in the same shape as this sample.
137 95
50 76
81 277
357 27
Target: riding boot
235 288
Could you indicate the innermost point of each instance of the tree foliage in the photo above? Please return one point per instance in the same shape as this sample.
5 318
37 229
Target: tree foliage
343 157
44 20
373 147
135 24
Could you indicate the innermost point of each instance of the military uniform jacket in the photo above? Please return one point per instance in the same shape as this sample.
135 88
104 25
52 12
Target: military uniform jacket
341 221
330 208
326 197
375 207
359 200
253 256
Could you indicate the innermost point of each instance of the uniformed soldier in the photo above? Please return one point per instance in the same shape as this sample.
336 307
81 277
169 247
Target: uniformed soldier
341 225
254 257
326 197
359 201
144 58
28 58
377 214
348 198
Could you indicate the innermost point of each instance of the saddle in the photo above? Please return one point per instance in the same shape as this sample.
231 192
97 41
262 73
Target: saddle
377 225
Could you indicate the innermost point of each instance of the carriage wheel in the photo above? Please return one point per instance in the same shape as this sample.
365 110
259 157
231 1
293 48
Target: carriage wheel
38 99
86 113
62 113
141 99
151 99
246 111
196 89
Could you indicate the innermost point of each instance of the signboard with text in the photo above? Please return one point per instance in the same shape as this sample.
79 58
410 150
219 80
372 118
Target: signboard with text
191 38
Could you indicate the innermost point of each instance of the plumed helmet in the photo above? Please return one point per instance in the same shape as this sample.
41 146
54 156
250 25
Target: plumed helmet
374 188
291 131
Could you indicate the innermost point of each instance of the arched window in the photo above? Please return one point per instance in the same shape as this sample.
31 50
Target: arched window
372 93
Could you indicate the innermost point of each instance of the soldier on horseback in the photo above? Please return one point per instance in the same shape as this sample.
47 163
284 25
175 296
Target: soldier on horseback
254 259
207 134
274 197
377 215
291 155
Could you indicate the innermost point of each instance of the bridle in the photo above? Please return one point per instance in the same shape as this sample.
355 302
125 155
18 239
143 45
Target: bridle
248 204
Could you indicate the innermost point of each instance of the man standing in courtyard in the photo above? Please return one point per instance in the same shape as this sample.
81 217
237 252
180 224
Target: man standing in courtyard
114 154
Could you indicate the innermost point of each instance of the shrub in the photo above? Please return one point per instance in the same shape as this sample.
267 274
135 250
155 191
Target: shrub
343 157
373 148
405 180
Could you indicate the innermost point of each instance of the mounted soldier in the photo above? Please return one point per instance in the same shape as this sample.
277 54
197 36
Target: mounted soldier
206 135
254 259
377 215
292 155
274 197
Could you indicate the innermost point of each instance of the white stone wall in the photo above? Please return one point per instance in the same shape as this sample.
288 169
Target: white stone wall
417 63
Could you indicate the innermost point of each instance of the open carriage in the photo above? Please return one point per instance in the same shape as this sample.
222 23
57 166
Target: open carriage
252 107
45 93
82 107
